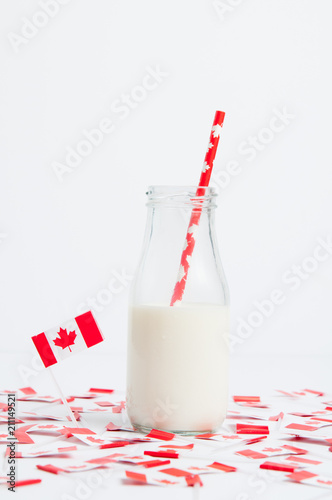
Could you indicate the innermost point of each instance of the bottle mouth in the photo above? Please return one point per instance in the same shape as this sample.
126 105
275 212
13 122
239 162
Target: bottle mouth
182 196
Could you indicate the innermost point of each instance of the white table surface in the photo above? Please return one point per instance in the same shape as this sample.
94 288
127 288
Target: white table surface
247 377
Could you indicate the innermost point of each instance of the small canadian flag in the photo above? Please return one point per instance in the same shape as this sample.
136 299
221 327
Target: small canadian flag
78 334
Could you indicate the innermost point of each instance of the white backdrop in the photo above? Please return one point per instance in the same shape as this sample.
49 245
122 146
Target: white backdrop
149 76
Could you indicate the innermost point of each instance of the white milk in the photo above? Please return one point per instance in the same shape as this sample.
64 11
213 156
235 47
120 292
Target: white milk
177 376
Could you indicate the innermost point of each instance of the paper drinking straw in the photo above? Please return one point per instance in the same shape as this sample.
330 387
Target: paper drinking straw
196 212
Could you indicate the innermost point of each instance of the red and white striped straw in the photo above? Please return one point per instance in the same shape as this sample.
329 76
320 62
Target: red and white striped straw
196 212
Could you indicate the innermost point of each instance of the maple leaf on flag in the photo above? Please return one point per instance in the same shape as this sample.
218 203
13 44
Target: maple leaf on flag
66 339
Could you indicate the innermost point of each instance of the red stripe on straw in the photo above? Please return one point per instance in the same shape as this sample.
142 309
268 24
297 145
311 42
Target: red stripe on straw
196 212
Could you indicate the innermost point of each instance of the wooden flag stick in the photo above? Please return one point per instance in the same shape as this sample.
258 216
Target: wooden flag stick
72 417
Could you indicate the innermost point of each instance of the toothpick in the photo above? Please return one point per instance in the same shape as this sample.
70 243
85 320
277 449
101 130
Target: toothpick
72 417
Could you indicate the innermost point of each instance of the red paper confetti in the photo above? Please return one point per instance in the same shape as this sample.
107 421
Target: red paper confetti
205 436
50 468
163 435
301 427
256 440
301 475
98 389
114 444
317 393
162 454
246 399
136 476
77 430
194 479
177 447
27 391
277 466
22 436
112 427
154 463
223 467
104 403
280 416
302 460
172 471
26 482
251 429
251 454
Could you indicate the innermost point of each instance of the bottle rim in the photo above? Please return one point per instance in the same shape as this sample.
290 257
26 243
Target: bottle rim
182 196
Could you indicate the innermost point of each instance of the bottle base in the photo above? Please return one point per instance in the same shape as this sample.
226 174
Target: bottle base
146 430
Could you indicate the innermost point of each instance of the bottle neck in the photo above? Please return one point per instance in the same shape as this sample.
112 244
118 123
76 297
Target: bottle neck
182 197
172 213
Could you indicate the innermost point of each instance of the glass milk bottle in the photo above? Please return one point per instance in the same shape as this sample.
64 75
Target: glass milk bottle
177 365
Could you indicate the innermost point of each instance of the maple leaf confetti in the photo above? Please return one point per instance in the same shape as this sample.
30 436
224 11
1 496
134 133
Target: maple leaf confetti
65 339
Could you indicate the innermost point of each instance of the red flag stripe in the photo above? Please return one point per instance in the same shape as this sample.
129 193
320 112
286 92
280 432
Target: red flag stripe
89 329
44 349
